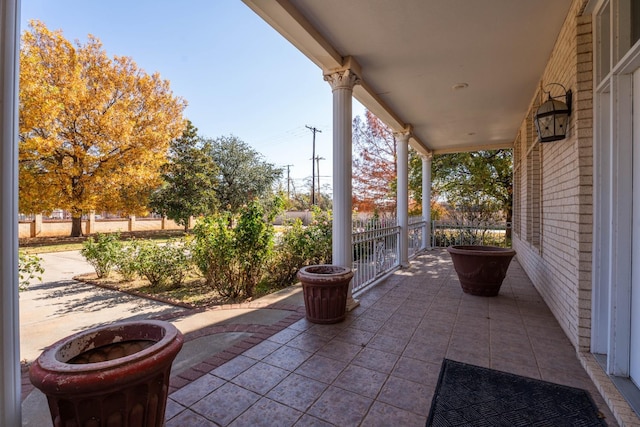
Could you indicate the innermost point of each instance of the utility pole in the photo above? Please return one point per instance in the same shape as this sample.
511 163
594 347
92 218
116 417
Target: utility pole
288 182
313 164
318 158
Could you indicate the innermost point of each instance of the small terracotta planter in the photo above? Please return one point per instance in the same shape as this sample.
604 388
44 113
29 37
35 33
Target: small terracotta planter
115 375
325 288
481 269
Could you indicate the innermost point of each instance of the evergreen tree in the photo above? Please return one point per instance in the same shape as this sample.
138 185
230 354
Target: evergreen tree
242 175
189 180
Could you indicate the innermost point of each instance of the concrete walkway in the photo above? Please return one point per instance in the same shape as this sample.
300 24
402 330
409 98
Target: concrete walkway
60 306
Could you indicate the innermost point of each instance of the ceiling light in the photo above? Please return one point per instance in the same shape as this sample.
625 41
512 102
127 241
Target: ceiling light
459 86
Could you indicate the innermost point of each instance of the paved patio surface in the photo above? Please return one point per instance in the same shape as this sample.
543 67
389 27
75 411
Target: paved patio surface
263 364
380 366
60 306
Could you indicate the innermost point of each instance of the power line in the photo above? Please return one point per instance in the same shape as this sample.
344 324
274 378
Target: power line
281 137
313 164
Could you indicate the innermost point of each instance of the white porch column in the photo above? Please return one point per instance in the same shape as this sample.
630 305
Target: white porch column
10 415
426 201
342 83
402 161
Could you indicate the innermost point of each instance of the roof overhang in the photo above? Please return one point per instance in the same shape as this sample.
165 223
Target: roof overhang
459 73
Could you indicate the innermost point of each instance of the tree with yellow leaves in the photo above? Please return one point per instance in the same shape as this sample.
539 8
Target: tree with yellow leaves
94 131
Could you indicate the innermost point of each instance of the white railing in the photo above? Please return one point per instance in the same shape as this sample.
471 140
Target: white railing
376 247
416 228
375 250
447 233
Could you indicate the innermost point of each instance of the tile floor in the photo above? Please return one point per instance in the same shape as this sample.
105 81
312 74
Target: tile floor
380 366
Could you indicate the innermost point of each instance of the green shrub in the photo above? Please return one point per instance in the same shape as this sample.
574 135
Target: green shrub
320 233
102 252
289 255
29 267
126 262
253 244
232 252
163 265
298 246
213 251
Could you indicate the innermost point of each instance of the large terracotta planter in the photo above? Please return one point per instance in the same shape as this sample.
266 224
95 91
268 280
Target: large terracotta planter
325 288
115 375
481 269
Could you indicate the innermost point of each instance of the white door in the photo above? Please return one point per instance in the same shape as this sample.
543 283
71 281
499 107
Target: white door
634 351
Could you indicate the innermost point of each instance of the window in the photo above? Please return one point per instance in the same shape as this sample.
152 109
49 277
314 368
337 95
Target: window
617 30
626 26
634 13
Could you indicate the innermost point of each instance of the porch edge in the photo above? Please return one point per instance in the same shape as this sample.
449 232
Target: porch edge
625 416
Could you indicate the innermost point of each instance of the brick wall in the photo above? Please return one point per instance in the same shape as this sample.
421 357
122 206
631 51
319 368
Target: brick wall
559 264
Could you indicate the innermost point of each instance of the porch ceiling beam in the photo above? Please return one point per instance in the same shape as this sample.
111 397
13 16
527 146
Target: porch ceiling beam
367 97
288 21
285 18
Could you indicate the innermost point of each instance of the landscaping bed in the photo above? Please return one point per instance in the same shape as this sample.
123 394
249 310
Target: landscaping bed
193 293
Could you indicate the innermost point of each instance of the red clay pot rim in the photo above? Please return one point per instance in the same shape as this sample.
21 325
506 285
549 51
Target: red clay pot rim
55 356
325 274
323 270
481 250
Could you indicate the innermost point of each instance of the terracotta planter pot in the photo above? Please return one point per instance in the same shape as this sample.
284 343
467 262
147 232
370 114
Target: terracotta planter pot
115 375
325 288
481 269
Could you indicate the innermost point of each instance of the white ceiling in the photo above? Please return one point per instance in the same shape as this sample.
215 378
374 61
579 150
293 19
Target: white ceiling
413 52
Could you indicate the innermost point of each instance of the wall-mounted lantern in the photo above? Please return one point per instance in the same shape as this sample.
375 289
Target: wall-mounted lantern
552 117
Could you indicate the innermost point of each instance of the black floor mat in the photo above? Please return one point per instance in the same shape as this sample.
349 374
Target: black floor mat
470 395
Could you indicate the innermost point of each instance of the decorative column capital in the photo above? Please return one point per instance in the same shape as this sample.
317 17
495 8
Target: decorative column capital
404 134
342 79
427 156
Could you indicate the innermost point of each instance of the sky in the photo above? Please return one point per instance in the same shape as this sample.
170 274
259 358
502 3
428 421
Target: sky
237 74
